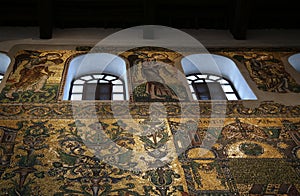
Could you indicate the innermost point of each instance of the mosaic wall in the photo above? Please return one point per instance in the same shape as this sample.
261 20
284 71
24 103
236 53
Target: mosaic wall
266 68
35 76
144 69
54 147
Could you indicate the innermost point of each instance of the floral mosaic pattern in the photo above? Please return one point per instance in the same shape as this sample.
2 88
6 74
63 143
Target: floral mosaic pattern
49 151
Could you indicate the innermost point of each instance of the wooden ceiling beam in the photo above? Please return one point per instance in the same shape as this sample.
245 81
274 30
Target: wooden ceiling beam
238 25
45 13
240 19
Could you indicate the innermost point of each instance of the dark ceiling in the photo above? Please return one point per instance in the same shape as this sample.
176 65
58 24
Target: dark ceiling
236 15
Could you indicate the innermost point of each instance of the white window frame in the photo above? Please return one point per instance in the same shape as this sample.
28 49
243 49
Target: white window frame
221 66
225 84
78 85
92 63
294 60
4 63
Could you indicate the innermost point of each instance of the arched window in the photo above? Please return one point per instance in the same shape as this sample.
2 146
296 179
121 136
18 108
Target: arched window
98 87
294 60
96 76
209 86
1 77
217 73
4 63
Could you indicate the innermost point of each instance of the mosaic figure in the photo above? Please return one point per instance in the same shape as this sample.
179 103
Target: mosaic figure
154 76
34 74
268 72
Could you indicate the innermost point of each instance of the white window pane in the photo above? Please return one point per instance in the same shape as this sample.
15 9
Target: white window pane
76 97
103 81
194 96
118 97
117 82
209 81
110 77
189 82
203 76
198 81
191 78
227 88
79 82
93 81
214 77
231 97
223 81
118 89
86 78
191 88
98 76
77 89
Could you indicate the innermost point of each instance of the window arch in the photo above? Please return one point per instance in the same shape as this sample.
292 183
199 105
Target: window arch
98 87
97 69
4 63
210 86
212 65
294 60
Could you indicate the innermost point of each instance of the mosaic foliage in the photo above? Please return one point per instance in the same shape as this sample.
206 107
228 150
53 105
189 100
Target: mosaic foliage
38 151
